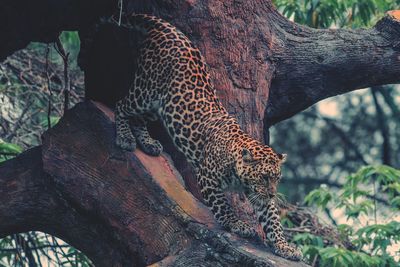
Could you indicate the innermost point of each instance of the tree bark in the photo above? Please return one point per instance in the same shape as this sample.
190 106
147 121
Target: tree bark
312 64
30 201
121 209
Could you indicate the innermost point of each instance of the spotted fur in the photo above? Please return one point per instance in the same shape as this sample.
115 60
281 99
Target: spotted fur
172 84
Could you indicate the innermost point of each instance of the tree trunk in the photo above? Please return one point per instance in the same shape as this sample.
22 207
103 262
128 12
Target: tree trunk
132 206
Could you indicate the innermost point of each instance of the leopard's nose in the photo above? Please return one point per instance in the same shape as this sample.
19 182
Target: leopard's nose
272 193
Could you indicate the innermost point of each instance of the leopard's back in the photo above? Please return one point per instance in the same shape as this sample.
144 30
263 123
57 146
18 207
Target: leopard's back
172 79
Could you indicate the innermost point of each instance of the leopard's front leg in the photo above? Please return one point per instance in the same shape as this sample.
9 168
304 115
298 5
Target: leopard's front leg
268 216
223 213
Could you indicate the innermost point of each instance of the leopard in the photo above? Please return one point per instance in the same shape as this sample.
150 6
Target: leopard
172 84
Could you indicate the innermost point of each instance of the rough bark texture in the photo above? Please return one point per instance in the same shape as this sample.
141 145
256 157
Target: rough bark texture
133 207
312 65
29 200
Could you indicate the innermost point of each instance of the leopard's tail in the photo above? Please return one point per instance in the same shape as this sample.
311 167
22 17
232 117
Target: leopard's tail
141 22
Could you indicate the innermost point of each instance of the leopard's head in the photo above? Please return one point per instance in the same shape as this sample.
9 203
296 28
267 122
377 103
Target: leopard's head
259 169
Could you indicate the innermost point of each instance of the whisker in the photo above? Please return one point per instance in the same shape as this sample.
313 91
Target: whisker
253 198
280 199
257 198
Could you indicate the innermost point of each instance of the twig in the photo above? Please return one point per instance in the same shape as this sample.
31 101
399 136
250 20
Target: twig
328 213
34 248
314 262
53 248
18 249
48 87
41 248
389 99
298 230
65 57
18 123
333 125
20 240
120 3
62 251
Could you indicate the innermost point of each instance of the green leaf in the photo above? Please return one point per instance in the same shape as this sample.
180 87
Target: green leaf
8 148
53 121
395 202
308 239
320 197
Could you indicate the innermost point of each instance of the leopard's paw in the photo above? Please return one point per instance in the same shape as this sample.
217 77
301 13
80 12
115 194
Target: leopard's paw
126 142
243 229
288 251
151 147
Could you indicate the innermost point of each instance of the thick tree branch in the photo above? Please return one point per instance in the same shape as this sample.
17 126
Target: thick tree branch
121 209
312 64
29 201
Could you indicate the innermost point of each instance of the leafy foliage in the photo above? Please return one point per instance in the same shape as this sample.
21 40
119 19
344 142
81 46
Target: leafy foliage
373 242
335 13
30 249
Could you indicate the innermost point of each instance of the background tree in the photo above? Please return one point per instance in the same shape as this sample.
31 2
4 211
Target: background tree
340 135
362 126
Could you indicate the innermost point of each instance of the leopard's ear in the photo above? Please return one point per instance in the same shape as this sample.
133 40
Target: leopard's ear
282 157
247 156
